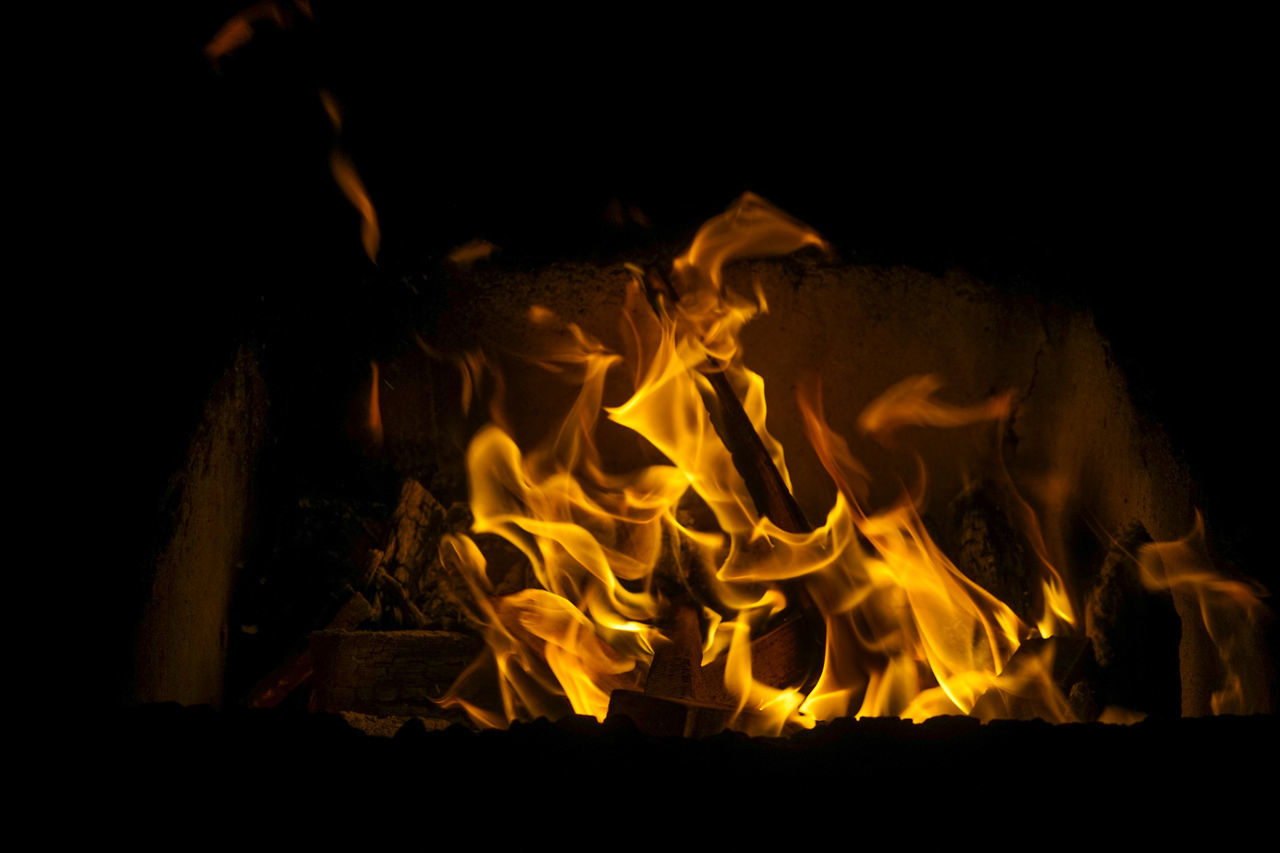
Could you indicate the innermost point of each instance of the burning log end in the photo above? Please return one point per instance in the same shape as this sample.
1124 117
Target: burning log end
676 668
683 698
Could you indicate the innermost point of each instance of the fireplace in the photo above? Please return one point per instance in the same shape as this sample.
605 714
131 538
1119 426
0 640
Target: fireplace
1042 228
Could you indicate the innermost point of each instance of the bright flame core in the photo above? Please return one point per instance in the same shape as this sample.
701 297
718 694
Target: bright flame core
907 634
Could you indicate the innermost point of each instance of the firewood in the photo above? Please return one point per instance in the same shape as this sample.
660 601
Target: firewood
989 550
764 483
780 658
405 575
416 527
278 685
404 603
402 583
676 667
387 672
767 488
682 698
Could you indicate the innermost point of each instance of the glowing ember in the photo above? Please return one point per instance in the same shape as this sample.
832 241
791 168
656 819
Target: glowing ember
616 554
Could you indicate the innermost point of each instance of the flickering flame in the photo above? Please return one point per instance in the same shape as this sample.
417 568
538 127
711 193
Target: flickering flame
348 180
353 188
470 252
239 28
906 632
1231 613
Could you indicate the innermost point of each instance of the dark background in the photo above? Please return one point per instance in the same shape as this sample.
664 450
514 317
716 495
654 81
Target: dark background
1115 166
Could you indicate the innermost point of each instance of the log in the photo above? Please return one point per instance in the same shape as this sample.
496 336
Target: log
780 658
764 483
676 669
989 550
682 698
388 673
402 583
405 577
769 492
278 685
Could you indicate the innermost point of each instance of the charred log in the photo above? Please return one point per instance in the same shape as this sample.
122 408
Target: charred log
989 549
404 577
387 672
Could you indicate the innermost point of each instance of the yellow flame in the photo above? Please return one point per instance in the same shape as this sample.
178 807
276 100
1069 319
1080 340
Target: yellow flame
911 402
907 633
1231 614
353 188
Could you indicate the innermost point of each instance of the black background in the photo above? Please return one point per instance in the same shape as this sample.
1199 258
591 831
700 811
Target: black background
1119 166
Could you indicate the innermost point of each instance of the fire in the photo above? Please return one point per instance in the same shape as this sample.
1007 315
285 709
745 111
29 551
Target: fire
348 180
628 562
238 29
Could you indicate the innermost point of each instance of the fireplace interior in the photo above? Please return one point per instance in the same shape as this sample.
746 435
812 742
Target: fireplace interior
1089 251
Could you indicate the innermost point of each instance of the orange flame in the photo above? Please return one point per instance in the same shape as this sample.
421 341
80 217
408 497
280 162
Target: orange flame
468 253
348 180
239 28
353 188
1231 614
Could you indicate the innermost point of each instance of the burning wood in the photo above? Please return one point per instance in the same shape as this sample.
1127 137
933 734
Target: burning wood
768 489
793 651
402 584
907 631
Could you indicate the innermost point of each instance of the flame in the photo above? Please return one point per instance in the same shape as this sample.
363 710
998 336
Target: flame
470 252
238 29
906 632
911 402
1231 614
348 180
353 188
